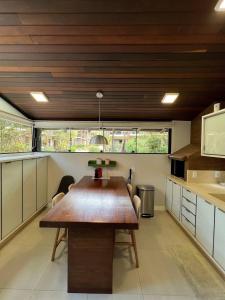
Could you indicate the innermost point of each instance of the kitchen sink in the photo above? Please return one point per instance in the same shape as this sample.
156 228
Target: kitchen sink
219 196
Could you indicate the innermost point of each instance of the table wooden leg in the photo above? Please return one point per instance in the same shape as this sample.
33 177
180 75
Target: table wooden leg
90 259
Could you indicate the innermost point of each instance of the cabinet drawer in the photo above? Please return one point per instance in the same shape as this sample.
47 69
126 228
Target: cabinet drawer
187 224
187 214
189 205
189 195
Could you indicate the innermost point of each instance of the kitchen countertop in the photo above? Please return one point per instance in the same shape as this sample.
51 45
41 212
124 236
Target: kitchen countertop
204 190
22 156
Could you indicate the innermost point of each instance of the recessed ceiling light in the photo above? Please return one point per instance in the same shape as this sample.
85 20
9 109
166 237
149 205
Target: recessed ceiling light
220 6
170 97
39 96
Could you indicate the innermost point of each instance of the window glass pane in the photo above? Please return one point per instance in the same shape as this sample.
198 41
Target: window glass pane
152 141
80 140
55 140
15 137
124 141
108 134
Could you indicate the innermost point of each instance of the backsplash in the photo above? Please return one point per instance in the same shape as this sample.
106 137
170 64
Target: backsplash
205 176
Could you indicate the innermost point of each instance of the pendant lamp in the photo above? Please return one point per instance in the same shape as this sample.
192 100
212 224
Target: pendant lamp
99 139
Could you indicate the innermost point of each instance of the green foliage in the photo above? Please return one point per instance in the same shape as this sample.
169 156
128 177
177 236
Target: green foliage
15 137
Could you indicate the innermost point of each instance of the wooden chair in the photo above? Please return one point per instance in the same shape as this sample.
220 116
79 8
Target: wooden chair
71 186
58 238
130 190
132 243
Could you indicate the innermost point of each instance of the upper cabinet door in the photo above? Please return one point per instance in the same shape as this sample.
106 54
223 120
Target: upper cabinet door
213 134
29 188
176 204
205 224
42 168
11 196
169 194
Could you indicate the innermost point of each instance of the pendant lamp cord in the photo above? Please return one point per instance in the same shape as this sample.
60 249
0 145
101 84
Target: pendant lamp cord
99 113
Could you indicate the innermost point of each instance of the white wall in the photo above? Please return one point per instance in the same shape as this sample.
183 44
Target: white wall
149 168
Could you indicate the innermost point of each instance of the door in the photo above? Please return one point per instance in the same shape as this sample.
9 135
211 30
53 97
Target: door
41 182
11 196
176 203
205 224
219 238
29 188
169 195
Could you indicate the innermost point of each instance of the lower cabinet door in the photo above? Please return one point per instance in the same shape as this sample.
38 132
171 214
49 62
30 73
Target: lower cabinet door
205 224
176 204
41 181
169 194
219 238
11 196
29 188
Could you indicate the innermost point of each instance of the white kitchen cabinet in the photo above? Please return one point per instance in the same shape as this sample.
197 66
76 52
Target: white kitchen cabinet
213 134
41 181
205 224
29 188
176 203
169 194
219 238
11 196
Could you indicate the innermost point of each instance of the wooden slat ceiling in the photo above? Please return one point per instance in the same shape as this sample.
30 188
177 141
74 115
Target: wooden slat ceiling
132 50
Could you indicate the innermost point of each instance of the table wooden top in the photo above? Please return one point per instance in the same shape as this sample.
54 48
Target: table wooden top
94 202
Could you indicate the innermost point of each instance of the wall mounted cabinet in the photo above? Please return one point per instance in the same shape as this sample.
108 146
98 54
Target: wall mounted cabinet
23 185
213 134
11 196
29 188
41 181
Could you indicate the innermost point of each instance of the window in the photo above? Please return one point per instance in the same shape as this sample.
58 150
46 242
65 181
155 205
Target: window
15 137
80 140
119 140
153 141
56 140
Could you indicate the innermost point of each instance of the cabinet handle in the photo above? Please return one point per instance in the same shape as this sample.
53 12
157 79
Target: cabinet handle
187 220
187 209
221 210
188 191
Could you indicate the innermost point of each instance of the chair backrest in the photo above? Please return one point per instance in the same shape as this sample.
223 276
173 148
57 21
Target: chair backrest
65 182
57 198
71 186
130 189
137 205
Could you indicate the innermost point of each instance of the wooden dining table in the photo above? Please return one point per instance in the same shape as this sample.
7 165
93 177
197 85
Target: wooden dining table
92 210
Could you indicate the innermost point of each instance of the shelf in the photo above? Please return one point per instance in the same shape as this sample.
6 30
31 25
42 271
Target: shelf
92 163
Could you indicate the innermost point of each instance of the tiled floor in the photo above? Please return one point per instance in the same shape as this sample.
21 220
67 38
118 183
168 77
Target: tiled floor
170 267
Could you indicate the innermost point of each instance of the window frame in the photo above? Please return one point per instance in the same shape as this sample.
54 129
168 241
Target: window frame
37 142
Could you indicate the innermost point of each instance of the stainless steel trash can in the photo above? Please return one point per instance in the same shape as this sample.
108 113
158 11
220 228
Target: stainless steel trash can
146 193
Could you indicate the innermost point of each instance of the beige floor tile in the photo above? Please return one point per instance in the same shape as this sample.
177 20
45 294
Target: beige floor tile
21 268
159 274
155 297
54 276
125 274
57 295
8 294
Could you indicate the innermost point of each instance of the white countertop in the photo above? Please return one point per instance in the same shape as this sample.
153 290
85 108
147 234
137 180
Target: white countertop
22 156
